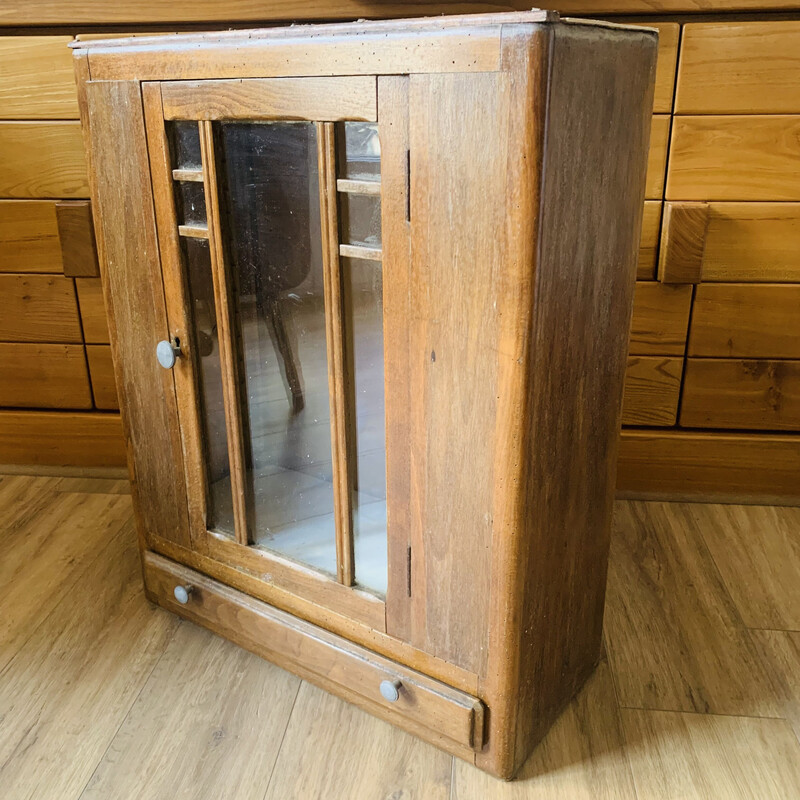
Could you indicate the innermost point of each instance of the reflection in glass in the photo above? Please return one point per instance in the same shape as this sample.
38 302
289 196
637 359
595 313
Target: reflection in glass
197 262
184 142
360 219
269 191
191 203
363 292
359 151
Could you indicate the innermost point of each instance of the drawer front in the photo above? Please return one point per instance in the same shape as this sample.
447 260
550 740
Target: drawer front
42 159
36 78
668 36
38 308
735 158
43 376
660 319
427 708
76 233
648 246
746 320
101 371
93 310
657 157
29 239
739 394
739 68
652 388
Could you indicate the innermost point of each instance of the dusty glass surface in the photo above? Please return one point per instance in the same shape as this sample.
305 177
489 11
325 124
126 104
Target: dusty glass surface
190 203
359 151
184 143
360 219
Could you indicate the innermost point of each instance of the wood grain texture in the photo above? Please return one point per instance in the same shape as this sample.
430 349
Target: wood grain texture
44 376
76 233
652 389
752 242
94 318
29 236
746 320
101 374
319 99
669 34
675 639
648 245
128 248
734 158
657 157
739 68
780 650
683 755
702 465
42 159
38 308
745 395
683 242
61 438
660 319
36 78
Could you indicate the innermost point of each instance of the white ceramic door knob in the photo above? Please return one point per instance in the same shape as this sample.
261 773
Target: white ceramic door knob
391 690
182 594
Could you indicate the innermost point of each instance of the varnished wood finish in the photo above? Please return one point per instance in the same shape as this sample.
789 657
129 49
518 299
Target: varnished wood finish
657 156
683 241
358 186
660 319
38 308
359 251
736 394
652 389
29 236
194 231
648 245
94 318
101 373
272 98
739 68
746 320
668 35
75 231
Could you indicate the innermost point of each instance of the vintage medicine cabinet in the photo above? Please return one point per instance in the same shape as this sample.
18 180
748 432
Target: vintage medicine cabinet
369 288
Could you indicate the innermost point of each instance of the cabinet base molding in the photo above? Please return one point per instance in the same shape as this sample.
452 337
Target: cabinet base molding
444 716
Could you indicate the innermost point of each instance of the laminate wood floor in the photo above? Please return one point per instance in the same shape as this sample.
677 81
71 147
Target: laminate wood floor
107 697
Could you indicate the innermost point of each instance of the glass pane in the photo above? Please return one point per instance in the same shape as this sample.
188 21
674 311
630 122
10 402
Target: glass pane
360 219
270 212
191 203
363 288
184 140
197 262
359 151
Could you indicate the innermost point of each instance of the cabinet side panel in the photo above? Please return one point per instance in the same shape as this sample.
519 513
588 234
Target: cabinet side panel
458 162
134 295
598 123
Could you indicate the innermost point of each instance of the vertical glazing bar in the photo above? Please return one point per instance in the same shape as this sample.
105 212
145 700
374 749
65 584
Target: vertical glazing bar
341 411
227 336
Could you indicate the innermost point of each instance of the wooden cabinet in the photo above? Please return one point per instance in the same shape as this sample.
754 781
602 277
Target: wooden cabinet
363 444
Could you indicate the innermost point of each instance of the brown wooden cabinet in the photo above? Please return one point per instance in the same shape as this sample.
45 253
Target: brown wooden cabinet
369 289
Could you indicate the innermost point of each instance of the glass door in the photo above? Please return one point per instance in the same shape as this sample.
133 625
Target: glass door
268 200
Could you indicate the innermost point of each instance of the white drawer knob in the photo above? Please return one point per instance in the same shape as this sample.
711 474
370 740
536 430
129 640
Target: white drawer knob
182 594
391 690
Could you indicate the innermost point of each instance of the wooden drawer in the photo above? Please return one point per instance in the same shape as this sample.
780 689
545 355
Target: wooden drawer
432 710
42 159
734 158
648 246
44 376
36 78
93 310
29 236
38 308
76 232
101 371
746 320
652 388
668 36
739 68
657 157
738 394
660 319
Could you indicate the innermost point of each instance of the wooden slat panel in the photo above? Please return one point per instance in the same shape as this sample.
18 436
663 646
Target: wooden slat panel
38 308
652 388
657 158
660 319
57 438
683 240
44 376
42 159
692 464
739 68
752 242
734 158
648 246
93 310
101 372
668 36
36 78
29 236
330 99
76 231
757 395
746 320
